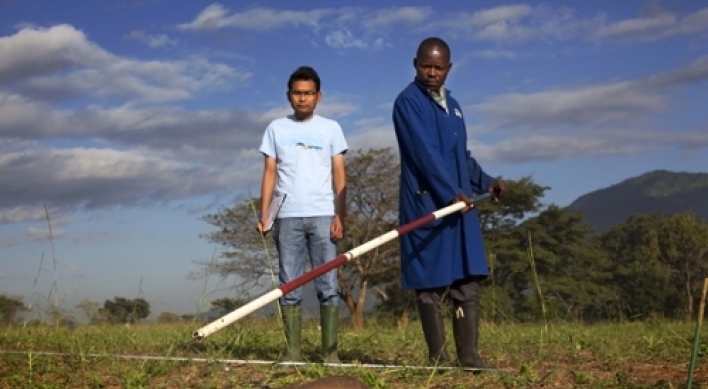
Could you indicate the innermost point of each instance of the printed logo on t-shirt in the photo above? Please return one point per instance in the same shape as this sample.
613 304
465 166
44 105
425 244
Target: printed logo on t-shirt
305 142
305 147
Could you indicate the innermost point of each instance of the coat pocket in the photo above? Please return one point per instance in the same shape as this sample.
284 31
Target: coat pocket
425 206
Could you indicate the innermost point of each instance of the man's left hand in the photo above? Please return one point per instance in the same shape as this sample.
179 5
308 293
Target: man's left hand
336 230
498 189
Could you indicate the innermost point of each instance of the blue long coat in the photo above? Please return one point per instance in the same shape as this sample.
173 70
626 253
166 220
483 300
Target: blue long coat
435 167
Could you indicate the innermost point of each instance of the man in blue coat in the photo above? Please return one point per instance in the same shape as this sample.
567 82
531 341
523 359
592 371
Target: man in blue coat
445 258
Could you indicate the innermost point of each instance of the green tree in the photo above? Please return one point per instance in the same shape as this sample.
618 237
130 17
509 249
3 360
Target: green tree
226 305
122 310
89 309
169 317
246 256
643 282
10 308
504 243
574 274
684 248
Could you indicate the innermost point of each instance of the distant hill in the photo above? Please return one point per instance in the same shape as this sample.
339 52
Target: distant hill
658 191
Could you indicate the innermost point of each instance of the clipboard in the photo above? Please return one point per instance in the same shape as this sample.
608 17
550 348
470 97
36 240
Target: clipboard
275 204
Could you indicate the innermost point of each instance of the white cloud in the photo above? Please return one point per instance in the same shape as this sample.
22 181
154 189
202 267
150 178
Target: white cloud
152 40
642 27
578 122
603 104
171 154
216 16
336 108
504 31
690 24
23 213
654 23
618 142
491 16
94 178
501 24
343 39
158 128
614 142
521 22
550 148
376 137
60 62
397 16
32 234
344 28
33 52
494 54
514 23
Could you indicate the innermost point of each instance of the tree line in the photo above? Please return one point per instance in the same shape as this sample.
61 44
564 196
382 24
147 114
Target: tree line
545 261
119 310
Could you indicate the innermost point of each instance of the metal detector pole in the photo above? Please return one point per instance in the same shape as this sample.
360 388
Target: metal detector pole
288 287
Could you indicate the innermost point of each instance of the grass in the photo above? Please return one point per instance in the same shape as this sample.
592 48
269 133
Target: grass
639 355
631 356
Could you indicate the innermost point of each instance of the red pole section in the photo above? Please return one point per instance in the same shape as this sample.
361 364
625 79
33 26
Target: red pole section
288 287
314 273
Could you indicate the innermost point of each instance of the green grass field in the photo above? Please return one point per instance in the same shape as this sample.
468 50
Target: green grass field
635 355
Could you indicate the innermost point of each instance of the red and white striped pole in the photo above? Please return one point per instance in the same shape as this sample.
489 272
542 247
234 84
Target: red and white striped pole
288 287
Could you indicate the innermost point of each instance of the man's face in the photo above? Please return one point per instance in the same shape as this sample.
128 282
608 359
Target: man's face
432 67
303 97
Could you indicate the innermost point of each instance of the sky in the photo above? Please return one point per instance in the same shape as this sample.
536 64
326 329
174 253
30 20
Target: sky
127 121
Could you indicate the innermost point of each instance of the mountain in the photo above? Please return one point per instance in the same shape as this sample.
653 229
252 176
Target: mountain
658 191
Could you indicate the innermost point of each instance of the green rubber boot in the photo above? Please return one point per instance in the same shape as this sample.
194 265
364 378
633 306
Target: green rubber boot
292 318
329 320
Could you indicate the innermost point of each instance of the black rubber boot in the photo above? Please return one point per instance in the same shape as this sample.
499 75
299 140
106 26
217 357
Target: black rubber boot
434 331
292 318
329 320
465 327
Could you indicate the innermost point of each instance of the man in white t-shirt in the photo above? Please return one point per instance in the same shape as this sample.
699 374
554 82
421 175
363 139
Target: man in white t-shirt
304 160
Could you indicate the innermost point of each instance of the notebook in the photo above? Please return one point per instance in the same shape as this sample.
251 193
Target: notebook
275 205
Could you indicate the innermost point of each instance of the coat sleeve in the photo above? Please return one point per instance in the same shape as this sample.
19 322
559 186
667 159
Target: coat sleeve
479 180
412 131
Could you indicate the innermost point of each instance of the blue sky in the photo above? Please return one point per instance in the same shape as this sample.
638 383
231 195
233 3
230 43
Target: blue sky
132 119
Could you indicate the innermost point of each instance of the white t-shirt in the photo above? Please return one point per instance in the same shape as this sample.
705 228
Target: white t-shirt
303 153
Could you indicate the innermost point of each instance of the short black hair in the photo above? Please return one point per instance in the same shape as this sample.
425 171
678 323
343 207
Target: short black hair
304 73
432 42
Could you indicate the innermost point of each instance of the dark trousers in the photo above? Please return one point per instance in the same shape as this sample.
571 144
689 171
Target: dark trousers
465 296
461 291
